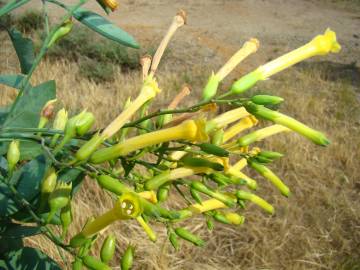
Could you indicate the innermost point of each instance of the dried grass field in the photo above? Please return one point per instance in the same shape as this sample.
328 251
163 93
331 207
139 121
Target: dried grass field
318 227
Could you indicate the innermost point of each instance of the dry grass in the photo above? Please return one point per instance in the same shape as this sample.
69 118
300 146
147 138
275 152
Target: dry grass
318 227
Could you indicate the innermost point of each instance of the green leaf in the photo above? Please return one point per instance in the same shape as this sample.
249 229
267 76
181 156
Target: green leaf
28 258
11 6
7 203
27 111
104 27
19 231
24 49
29 177
12 80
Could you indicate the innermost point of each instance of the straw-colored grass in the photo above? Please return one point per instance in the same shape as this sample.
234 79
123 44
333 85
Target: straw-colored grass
318 227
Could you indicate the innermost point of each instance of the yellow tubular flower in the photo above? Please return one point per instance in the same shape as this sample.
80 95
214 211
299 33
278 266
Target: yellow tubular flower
261 134
241 164
242 125
235 218
128 206
226 118
178 173
205 206
149 195
243 195
250 47
190 130
150 233
251 183
149 90
320 45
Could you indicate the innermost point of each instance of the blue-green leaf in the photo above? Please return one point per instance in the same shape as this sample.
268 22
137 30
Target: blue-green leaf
27 111
12 80
7 203
104 27
24 48
28 258
14 230
29 177
11 5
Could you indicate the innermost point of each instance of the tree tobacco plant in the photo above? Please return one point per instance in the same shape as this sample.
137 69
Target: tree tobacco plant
143 157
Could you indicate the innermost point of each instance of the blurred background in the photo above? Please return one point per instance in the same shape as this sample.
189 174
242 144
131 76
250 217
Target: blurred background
318 227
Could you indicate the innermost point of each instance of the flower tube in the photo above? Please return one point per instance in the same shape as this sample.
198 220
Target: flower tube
212 85
242 125
168 176
243 195
251 183
289 122
226 118
320 45
261 134
128 206
190 130
148 91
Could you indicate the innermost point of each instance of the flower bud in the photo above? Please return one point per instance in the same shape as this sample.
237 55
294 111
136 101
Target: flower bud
234 218
211 87
128 258
95 264
195 195
213 150
108 249
270 154
217 137
243 195
84 123
47 186
150 233
64 29
286 121
219 196
188 236
266 100
163 193
60 119
268 174
174 240
200 162
13 154
46 113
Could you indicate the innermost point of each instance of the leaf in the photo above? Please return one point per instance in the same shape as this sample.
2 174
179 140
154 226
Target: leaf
11 6
11 80
7 203
24 49
27 111
19 231
29 177
28 258
104 27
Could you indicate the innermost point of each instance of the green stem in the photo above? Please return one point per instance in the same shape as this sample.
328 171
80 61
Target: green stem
46 17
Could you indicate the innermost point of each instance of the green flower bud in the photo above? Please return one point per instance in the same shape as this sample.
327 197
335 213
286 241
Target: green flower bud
221 218
66 218
268 174
270 154
128 258
84 123
162 193
47 186
59 198
188 236
13 154
246 82
217 137
77 264
217 195
220 179
108 249
64 29
95 264
243 195
213 150
284 120
211 87
262 159
174 240
200 162
210 224
266 100
235 218
195 195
